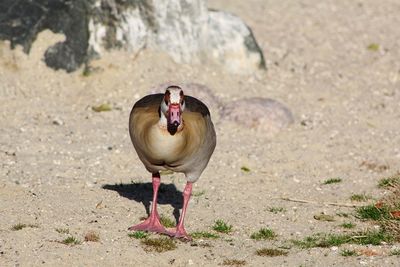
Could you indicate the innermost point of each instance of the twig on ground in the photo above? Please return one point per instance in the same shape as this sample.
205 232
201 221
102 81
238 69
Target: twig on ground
352 205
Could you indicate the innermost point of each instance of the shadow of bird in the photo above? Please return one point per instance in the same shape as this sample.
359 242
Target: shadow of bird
143 193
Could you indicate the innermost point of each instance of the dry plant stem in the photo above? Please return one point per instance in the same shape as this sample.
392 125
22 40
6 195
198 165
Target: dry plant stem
352 205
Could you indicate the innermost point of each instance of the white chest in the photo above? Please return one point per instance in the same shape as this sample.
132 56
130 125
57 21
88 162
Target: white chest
164 146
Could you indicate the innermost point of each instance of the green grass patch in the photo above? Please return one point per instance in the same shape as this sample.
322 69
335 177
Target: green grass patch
308 242
20 226
222 227
334 240
167 222
332 181
271 252
160 244
62 230
245 169
202 234
233 262
263 234
348 253
348 225
389 182
372 238
360 197
373 47
329 240
71 241
276 210
138 235
371 212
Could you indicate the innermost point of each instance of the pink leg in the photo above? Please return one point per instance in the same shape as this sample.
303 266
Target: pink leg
152 224
180 229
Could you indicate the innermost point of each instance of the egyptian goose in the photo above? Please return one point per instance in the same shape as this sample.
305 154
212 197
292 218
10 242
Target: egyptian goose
174 132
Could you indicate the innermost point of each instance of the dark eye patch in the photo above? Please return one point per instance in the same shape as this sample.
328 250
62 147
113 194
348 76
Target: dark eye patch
167 96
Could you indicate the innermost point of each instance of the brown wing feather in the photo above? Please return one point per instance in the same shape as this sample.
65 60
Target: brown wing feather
195 105
149 100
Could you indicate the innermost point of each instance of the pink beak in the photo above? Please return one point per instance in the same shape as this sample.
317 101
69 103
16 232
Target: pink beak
174 115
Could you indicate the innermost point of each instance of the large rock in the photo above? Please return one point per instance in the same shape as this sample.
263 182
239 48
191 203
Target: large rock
185 29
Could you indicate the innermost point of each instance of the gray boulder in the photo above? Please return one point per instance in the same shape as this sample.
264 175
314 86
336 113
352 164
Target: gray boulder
185 29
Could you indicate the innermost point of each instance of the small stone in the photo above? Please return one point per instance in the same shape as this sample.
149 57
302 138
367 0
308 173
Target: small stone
58 121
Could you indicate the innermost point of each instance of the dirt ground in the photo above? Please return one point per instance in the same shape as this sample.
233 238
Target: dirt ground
334 64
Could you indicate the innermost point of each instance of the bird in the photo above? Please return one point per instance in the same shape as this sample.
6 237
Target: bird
171 131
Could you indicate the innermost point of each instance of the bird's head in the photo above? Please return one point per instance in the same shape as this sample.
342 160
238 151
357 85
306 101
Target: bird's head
172 107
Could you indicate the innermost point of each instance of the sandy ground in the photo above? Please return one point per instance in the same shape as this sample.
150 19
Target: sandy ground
57 155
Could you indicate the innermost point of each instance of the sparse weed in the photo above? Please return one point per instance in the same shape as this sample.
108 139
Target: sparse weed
222 227
62 230
263 234
373 47
332 181
271 252
275 210
329 240
138 235
167 222
348 225
160 244
245 169
71 241
197 235
372 238
389 182
371 212
20 226
360 197
348 253
232 262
